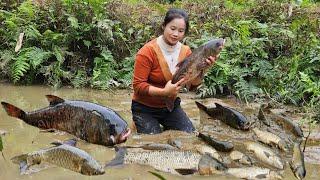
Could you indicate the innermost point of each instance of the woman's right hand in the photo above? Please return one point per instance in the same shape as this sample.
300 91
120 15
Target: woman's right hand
171 90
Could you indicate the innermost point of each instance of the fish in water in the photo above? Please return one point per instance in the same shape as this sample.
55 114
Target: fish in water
297 162
194 66
265 154
288 124
223 146
88 121
171 161
64 156
271 139
227 115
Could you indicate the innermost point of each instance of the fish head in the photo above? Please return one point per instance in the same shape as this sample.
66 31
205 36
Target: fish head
213 47
118 131
91 167
244 124
209 165
300 172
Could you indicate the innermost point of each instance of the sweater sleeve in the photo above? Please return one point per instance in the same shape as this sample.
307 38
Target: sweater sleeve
142 69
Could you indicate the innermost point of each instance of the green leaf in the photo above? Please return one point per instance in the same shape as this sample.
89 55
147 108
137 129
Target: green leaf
157 175
74 22
1 144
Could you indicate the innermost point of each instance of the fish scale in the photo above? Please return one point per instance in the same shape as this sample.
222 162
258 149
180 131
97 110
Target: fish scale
164 160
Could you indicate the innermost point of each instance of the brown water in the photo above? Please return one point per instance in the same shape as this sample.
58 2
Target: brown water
22 138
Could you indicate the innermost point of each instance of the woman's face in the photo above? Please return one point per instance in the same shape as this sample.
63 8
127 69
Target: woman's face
174 31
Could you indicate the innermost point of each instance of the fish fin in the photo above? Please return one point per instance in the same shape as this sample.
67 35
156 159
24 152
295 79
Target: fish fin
201 106
54 100
13 110
186 171
267 154
70 142
119 159
23 167
170 104
51 130
218 105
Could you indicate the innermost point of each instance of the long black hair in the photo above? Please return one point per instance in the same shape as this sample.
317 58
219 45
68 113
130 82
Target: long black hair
176 13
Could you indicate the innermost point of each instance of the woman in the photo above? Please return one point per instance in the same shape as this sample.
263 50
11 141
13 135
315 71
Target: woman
154 65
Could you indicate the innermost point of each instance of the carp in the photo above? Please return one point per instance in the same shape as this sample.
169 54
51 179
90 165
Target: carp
254 173
227 115
271 139
288 124
64 156
297 162
88 121
171 161
194 66
265 154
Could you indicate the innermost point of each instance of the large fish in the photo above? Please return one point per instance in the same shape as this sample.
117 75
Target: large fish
254 173
88 121
194 65
297 162
271 139
227 115
64 156
265 154
171 161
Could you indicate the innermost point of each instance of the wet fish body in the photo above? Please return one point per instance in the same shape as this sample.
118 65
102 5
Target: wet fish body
254 173
271 139
203 149
223 146
227 115
88 121
194 65
288 124
297 163
170 161
265 154
64 156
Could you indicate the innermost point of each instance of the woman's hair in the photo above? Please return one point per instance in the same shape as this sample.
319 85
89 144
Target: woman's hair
176 13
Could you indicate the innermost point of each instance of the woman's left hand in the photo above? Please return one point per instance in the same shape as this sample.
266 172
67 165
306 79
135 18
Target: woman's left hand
211 60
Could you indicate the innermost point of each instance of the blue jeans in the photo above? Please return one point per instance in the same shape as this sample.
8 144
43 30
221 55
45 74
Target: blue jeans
148 119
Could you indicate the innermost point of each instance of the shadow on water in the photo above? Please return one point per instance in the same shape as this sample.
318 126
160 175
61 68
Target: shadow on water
22 138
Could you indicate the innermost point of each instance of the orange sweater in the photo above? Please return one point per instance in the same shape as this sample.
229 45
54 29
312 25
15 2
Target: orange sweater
151 68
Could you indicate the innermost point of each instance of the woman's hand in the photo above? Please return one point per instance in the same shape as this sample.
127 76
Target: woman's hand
211 60
171 90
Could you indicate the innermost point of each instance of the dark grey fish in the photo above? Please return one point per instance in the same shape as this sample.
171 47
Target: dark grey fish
194 65
223 146
227 115
88 121
64 156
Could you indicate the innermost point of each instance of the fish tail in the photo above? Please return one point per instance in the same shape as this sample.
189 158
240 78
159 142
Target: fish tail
170 104
201 106
119 159
13 110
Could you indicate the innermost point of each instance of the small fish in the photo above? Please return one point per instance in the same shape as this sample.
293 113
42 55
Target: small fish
88 121
209 165
227 115
254 173
205 149
171 161
297 162
223 146
271 139
194 66
64 156
265 154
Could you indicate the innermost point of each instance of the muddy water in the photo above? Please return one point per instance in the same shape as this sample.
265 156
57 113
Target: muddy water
22 138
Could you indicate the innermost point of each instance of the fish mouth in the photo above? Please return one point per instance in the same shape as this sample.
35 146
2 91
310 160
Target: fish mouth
124 135
222 44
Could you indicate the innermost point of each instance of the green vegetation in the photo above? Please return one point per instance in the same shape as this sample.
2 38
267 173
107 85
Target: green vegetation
273 47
